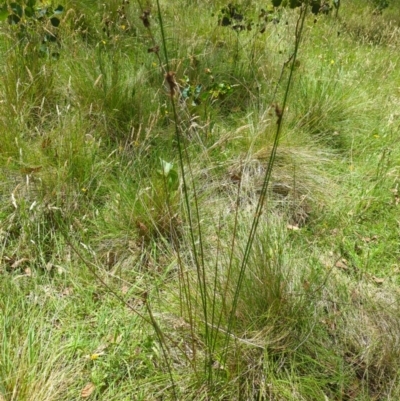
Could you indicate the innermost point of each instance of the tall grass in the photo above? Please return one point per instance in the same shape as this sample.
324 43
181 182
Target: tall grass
191 211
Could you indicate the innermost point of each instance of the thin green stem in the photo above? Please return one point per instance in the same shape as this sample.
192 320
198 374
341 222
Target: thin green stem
261 201
183 155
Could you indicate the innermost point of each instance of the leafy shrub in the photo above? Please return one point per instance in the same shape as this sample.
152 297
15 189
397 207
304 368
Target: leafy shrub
36 23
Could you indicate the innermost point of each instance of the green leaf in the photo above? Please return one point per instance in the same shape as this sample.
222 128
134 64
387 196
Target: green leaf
186 92
49 37
13 19
43 49
59 10
3 12
198 90
173 180
171 175
55 21
166 168
29 12
17 9
41 13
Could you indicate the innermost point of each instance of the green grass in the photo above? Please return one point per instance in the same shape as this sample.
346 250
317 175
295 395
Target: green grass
127 269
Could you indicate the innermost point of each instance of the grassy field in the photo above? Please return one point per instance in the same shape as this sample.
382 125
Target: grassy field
199 201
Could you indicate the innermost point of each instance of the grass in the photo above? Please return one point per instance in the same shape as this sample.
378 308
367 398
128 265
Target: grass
127 269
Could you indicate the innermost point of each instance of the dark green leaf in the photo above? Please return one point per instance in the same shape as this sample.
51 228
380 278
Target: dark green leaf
197 90
55 21
13 19
29 12
50 38
294 3
17 9
59 10
186 92
225 21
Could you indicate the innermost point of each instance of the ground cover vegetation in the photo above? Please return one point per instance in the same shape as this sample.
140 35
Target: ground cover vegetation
199 200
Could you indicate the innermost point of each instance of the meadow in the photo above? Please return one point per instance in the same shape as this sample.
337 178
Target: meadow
199 200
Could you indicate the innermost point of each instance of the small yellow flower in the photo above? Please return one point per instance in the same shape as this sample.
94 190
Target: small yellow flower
332 62
94 356
84 189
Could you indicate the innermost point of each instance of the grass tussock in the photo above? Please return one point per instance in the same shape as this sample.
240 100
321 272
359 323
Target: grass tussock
199 201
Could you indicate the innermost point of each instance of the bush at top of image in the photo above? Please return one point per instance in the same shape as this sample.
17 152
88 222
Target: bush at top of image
317 6
28 19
